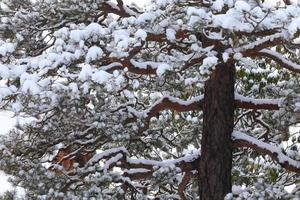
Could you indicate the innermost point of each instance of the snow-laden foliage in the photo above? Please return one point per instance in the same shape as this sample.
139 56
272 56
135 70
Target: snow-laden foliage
114 95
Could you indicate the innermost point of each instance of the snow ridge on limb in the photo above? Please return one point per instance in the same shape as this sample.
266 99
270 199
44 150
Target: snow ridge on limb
267 41
252 103
169 102
243 140
282 61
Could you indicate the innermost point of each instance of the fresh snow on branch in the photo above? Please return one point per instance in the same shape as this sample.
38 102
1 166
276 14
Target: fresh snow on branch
243 140
257 101
282 61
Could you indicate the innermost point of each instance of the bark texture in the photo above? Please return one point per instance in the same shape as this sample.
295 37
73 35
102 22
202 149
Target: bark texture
216 149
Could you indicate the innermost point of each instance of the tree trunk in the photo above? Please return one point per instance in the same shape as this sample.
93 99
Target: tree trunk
218 119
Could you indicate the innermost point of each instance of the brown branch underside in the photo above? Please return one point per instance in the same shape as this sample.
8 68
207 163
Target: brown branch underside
239 143
278 58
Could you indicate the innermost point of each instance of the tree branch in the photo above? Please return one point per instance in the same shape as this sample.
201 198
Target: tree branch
244 140
265 42
118 9
277 57
138 169
171 103
196 103
252 103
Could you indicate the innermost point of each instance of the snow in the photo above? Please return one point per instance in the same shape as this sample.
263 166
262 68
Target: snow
135 84
4 72
77 35
44 63
269 4
6 91
120 80
238 56
237 189
6 48
86 72
164 3
30 86
231 21
29 83
294 26
146 64
257 101
94 53
136 170
7 123
171 34
185 102
5 186
257 43
73 56
120 154
208 64
197 11
140 34
242 6
218 5
104 154
145 17
95 29
110 66
74 88
165 163
112 160
225 57
62 33
197 15
121 38
145 113
162 68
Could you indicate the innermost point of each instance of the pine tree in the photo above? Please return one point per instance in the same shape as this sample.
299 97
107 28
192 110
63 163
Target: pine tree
180 100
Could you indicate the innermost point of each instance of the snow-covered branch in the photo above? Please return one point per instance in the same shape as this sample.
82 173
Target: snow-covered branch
265 42
278 57
171 103
118 9
252 103
137 169
174 103
244 140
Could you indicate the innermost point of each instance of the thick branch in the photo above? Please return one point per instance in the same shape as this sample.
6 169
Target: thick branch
173 103
196 103
244 140
252 103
